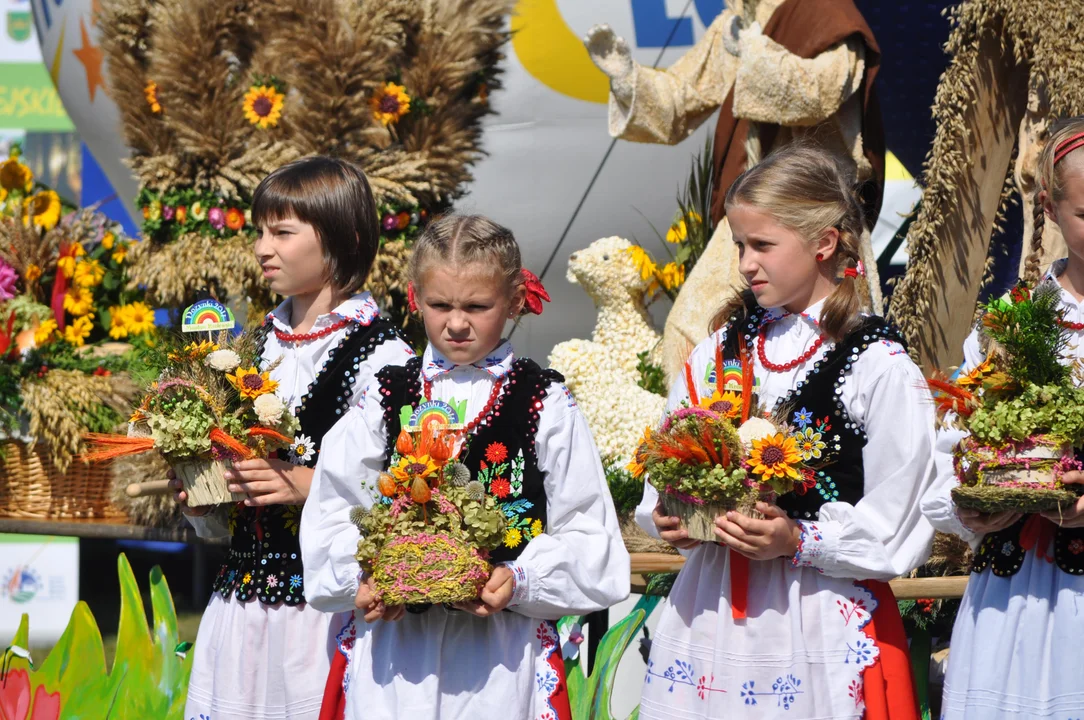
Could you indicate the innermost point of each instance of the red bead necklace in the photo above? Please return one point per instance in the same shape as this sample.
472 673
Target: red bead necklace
427 389
305 337
1071 325
761 337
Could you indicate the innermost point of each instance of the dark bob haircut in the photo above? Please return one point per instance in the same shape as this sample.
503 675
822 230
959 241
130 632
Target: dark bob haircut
333 196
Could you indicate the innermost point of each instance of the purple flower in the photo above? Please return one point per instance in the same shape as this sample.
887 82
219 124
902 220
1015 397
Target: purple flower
390 222
217 218
8 278
167 212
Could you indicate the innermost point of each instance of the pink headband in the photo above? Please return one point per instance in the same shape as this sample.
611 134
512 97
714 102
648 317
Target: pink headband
1067 146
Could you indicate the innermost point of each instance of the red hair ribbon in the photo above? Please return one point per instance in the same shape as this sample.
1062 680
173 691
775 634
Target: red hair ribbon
536 293
1067 146
412 304
855 271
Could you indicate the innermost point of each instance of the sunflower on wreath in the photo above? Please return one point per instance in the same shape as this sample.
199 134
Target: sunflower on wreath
263 102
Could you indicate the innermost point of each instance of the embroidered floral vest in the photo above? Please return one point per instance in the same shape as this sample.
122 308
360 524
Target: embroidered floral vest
829 440
501 452
1003 552
265 553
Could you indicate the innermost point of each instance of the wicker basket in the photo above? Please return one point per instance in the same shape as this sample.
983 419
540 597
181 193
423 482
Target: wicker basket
33 488
699 519
1023 482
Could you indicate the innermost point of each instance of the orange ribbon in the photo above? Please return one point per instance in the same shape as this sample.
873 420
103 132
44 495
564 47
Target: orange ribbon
1038 532
739 585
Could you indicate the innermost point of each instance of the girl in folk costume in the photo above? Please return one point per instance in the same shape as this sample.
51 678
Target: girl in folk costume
789 615
261 651
525 443
1016 644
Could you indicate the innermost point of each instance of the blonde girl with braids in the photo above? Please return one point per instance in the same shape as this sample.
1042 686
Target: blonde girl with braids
527 445
791 615
1018 642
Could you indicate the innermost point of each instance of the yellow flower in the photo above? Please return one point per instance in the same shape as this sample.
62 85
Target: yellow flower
390 103
413 466
139 318
15 176
151 93
263 106
88 273
775 456
677 233
79 330
193 351
33 272
512 537
974 378
672 276
644 264
252 383
247 578
198 211
120 254
727 404
152 211
43 209
118 322
79 300
536 528
107 240
66 263
45 332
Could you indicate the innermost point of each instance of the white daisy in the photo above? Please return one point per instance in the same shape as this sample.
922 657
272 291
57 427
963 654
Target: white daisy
302 450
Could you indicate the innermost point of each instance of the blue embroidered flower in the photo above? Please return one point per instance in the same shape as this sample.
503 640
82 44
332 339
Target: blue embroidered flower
295 582
749 693
546 683
803 418
862 651
1007 548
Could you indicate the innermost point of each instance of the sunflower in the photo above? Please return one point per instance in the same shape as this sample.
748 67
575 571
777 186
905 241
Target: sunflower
727 404
390 103
120 254
79 330
413 467
108 239
193 351
151 93
140 318
672 276
15 176
775 456
975 376
235 219
79 300
88 273
252 383
45 332
43 209
263 106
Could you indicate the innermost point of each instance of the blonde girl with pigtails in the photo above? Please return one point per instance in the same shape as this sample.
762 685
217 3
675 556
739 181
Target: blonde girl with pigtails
1018 641
791 615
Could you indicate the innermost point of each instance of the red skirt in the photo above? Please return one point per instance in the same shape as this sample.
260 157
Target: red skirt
888 685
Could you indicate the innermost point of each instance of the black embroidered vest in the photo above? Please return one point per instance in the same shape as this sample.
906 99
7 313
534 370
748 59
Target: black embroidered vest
830 441
501 452
1002 552
265 552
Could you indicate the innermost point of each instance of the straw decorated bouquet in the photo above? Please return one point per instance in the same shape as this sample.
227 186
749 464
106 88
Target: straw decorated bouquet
1020 407
718 454
209 405
429 539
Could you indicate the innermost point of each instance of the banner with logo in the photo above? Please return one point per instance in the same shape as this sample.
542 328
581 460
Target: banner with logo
39 576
